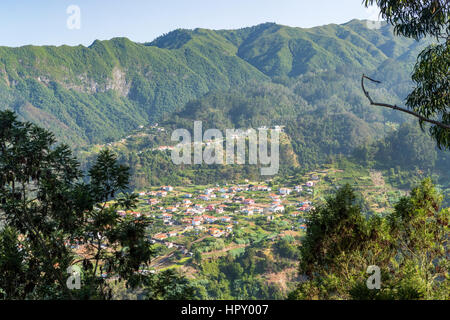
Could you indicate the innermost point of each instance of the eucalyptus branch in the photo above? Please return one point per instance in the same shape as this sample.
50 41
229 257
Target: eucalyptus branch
395 107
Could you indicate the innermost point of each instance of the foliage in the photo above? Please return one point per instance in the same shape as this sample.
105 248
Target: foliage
418 19
408 246
415 19
99 93
238 277
286 250
46 211
431 96
168 285
407 155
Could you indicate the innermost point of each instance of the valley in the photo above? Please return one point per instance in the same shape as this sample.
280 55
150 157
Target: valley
199 228
91 175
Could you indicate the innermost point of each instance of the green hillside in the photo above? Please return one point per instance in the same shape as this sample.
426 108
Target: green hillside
100 93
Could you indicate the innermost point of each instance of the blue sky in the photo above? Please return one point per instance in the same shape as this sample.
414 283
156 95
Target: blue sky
44 22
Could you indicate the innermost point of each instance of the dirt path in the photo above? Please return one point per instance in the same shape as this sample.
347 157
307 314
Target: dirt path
378 179
282 278
161 261
200 239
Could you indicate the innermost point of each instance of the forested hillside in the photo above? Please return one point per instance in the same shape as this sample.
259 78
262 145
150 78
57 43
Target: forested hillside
94 204
99 93
307 80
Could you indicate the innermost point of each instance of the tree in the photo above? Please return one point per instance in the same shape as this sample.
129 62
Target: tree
419 229
409 246
15 280
337 248
46 210
169 285
430 99
285 249
197 258
407 147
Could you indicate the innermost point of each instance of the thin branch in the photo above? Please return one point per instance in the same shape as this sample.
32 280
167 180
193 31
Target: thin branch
395 107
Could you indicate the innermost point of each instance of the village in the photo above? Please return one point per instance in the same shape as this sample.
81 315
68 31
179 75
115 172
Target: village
185 219
215 220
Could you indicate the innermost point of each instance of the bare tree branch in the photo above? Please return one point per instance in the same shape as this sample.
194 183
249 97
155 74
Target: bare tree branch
395 107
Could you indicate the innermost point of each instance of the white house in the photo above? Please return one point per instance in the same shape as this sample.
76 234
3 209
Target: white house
277 208
203 197
285 191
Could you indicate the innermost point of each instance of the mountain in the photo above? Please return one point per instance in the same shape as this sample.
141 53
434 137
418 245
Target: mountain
99 93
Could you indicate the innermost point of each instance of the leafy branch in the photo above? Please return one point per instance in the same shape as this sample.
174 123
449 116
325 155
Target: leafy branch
395 107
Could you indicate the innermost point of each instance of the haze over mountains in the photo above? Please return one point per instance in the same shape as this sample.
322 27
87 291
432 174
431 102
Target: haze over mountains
266 74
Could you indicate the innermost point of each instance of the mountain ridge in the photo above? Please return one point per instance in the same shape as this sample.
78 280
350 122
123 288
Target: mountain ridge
103 91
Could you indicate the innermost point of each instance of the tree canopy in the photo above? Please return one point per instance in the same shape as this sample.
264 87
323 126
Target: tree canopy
53 218
430 98
409 246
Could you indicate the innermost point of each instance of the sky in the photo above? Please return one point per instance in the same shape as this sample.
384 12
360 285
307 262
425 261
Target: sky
74 22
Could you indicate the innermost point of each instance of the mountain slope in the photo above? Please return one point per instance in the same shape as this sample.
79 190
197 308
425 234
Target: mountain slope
103 91
99 93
